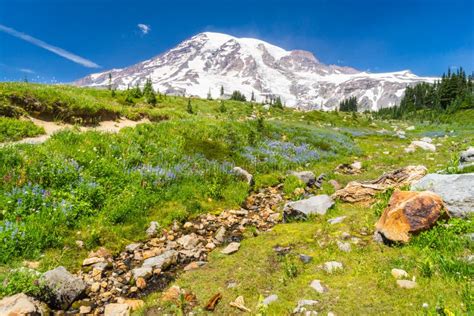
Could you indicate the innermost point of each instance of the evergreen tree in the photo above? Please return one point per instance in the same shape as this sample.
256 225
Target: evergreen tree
222 107
209 95
277 103
189 107
222 91
252 97
110 81
136 92
149 93
238 96
348 105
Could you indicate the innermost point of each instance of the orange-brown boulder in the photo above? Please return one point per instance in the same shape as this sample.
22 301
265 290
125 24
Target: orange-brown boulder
409 213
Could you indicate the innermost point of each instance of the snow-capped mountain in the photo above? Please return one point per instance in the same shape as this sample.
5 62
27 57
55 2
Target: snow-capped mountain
207 61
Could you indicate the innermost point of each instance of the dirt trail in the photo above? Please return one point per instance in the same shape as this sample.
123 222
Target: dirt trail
53 127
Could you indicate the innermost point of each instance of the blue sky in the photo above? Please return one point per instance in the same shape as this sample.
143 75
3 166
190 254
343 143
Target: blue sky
71 37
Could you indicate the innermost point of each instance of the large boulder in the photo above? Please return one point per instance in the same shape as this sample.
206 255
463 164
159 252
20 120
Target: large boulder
409 213
365 191
318 205
162 261
61 288
457 191
21 304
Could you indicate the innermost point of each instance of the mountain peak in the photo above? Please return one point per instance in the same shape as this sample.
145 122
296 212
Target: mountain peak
208 61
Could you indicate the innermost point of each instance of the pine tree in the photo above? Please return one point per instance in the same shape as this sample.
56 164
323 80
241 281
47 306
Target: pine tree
149 93
252 97
209 95
277 103
110 81
189 108
238 96
222 107
222 91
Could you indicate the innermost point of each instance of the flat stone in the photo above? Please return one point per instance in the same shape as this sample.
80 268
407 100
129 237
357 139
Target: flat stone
336 220
162 261
194 265
61 287
142 272
406 284
188 241
318 205
399 273
318 286
332 266
116 309
20 304
153 229
307 177
303 305
270 299
85 309
93 260
456 190
305 258
231 248
220 234
132 247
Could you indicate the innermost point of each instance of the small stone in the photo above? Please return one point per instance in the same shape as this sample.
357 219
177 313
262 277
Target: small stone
32 264
332 266
85 309
406 284
318 286
170 237
95 287
210 245
305 258
270 299
116 309
344 246
132 247
142 272
172 294
345 235
336 220
303 304
220 234
133 303
188 225
93 260
194 265
152 230
231 248
188 241
79 244
425 305
156 271
334 184
399 273
141 283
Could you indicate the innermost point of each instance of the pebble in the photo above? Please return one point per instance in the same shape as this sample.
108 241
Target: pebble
332 266
305 258
318 286
231 248
399 273
344 246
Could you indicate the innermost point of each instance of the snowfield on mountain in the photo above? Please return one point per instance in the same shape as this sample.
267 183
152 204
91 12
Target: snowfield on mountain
203 64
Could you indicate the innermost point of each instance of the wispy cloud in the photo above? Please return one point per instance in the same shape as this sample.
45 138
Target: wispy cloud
58 51
145 29
26 70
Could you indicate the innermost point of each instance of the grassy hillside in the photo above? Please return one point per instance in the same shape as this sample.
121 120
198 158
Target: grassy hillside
104 189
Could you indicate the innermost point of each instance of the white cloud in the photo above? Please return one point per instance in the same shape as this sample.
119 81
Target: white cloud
26 70
58 51
145 29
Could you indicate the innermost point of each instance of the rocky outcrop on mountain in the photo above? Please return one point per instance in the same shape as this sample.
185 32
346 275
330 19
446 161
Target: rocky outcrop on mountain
208 61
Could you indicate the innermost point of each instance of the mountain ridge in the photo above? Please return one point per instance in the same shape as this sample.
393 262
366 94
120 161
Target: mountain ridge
200 65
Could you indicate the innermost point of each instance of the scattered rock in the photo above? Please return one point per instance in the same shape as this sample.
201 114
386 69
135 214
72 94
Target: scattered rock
21 304
91 261
141 283
270 299
220 234
85 309
132 303
188 241
344 246
456 190
466 158
162 261
410 128
399 273
300 210
34 265
409 213
406 284
194 265
132 247
117 309
244 175
282 251
318 286
79 244
305 258
240 304
420 144
332 266
172 294
365 191
62 288
153 229
303 305
353 168
307 177
336 220
231 248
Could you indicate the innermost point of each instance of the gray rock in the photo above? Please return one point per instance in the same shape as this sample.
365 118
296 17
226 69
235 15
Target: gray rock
162 261
244 175
20 304
344 246
467 155
132 247
220 234
318 204
336 220
153 229
270 299
62 288
188 241
303 305
116 309
307 177
231 248
305 258
456 190
318 286
142 272
332 266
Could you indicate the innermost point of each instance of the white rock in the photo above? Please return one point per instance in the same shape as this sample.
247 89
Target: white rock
399 273
406 284
332 266
344 246
20 304
142 272
336 220
231 248
270 299
116 309
318 286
